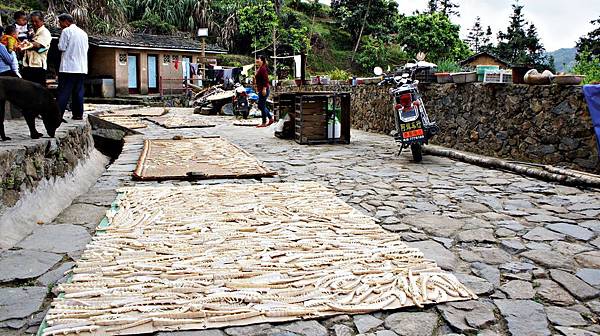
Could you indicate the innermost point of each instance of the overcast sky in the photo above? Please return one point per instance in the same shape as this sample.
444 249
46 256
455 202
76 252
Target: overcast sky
560 22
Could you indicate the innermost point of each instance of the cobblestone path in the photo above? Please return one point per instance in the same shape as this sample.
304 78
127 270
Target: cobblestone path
529 249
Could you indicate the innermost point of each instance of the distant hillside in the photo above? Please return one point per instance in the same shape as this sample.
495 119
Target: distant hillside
564 59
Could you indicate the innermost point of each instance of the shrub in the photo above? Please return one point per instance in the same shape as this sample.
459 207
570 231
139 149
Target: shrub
448 66
589 66
339 74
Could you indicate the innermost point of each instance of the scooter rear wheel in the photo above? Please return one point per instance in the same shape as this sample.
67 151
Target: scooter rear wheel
417 152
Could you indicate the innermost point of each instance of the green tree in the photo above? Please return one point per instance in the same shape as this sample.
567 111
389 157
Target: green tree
434 34
488 46
478 39
521 44
379 16
373 53
446 7
257 20
589 66
293 34
590 43
433 6
378 51
588 55
222 19
152 24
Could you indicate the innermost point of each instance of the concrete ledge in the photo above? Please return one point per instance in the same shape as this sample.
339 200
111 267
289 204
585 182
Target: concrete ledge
25 162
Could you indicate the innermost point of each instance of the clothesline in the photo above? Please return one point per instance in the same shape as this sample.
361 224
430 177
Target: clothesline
282 57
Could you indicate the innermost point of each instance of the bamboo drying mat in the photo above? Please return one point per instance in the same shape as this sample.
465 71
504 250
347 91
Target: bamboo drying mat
205 257
180 121
199 158
127 122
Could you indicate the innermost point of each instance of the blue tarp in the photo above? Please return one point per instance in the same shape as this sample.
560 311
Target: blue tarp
592 95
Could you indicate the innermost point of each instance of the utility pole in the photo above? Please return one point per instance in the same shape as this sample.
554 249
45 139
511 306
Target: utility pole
275 51
203 33
203 59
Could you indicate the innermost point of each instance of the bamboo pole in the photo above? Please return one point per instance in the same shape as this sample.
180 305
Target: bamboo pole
542 172
362 28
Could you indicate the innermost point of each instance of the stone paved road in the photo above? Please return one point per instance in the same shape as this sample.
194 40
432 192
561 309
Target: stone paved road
530 249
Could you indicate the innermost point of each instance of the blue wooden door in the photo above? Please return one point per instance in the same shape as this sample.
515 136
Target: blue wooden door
133 81
185 64
152 73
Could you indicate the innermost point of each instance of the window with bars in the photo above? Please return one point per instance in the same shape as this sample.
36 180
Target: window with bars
166 59
122 59
175 58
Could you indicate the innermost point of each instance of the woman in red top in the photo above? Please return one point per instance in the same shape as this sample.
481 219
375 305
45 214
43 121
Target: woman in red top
261 80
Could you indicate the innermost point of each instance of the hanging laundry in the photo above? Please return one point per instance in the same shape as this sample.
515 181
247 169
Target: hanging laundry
236 74
194 69
247 68
227 74
176 61
298 66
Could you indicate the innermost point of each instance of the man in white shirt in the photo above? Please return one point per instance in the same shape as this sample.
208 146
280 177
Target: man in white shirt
73 66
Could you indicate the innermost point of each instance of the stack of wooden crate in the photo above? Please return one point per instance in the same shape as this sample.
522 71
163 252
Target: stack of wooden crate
311 119
315 117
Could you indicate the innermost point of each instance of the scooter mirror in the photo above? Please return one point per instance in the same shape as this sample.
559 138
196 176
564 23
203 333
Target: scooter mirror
378 71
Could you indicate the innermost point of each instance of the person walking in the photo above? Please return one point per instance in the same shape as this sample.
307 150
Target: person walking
35 61
73 66
261 81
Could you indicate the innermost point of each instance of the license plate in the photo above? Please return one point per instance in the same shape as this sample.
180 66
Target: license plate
413 134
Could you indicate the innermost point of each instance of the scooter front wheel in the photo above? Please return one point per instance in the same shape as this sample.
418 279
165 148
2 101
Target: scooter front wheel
417 152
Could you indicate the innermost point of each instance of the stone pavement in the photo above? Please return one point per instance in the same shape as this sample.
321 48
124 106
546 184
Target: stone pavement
530 249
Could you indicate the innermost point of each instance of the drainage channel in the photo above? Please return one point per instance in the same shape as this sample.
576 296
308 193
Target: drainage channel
48 228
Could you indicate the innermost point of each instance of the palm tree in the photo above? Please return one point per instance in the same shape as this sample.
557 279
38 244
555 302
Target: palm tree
96 16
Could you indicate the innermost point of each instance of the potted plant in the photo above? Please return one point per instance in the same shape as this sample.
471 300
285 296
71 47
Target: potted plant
339 76
444 69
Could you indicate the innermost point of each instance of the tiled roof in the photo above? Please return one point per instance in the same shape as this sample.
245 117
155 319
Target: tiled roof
153 41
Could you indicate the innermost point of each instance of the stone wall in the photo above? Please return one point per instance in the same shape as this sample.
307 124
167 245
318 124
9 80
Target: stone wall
25 163
540 124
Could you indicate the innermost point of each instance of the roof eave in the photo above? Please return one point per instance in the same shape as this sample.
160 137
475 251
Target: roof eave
123 46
